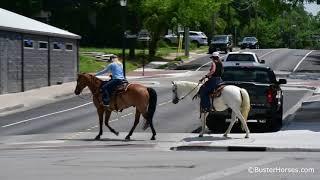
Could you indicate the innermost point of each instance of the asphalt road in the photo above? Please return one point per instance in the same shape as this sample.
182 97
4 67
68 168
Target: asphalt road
180 118
143 164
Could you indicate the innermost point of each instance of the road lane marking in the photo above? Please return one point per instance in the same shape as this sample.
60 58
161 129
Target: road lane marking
70 109
237 169
295 68
66 110
46 115
164 103
268 53
117 119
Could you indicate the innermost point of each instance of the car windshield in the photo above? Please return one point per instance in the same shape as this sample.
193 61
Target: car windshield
220 38
249 39
246 75
240 57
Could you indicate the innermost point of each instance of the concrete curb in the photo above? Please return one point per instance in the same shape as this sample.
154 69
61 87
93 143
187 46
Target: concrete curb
242 148
64 95
317 91
11 108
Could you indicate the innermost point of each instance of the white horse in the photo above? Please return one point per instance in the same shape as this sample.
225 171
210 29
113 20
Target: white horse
231 97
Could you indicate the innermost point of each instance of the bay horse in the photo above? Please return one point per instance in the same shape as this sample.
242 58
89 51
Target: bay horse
144 99
233 97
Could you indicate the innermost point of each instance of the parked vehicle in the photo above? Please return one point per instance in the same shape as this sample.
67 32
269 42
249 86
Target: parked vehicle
143 35
249 42
221 43
196 37
266 97
242 59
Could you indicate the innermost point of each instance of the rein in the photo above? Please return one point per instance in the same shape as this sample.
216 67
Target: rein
87 99
94 90
189 92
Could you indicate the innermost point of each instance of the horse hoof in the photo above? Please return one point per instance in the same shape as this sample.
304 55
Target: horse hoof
225 135
246 137
153 138
97 138
127 138
116 133
200 135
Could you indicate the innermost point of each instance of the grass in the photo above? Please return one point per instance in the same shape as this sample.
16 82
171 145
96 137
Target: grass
88 63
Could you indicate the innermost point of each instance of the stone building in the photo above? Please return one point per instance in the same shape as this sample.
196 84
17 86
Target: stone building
34 54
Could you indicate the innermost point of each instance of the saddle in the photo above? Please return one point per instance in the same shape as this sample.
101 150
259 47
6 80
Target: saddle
217 92
121 88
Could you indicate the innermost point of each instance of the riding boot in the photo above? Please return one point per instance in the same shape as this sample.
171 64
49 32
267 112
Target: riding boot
105 99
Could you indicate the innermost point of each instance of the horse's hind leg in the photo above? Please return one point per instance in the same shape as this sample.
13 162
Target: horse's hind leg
150 123
136 121
106 122
233 120
203 123
244 123
153 130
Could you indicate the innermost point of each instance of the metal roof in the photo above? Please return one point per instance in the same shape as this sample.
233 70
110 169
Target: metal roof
10 21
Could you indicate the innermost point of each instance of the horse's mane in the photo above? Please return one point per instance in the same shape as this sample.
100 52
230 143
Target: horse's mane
185 87
186 84
91 76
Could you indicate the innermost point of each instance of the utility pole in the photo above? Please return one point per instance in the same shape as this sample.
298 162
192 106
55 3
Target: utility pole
186 41
229 20
256 17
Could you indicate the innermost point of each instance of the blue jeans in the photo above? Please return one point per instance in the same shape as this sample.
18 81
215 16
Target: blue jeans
206 89
108 88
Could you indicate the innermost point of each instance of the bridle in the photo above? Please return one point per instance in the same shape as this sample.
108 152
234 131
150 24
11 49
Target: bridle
174 90
95 91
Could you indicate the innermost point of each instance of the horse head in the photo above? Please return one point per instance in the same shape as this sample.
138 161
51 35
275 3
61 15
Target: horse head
182 89
81 83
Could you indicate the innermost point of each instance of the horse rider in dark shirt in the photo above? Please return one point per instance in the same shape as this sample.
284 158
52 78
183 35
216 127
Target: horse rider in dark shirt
214 79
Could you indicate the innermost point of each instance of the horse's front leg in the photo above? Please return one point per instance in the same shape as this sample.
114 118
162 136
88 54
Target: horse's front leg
136 121
100 114
203 124
106 121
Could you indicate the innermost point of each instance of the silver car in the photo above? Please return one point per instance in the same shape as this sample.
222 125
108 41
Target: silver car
196 37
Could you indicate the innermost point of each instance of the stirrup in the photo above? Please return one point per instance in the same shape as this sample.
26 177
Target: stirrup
213 109
105 105
205 110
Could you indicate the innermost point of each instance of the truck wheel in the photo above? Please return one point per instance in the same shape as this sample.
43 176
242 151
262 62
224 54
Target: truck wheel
216 124
275 124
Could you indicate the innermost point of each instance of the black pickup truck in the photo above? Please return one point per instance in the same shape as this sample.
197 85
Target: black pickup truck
266 97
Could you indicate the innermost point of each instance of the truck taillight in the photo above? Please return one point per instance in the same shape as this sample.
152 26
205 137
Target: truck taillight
270 97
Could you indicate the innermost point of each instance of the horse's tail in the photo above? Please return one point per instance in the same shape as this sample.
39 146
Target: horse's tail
152 106
245 105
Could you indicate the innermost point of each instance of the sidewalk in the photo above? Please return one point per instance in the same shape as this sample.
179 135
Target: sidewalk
282 141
